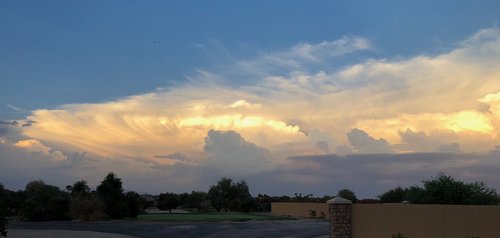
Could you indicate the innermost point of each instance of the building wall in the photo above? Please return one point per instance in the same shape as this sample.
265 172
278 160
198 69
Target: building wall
429 221
299 209
414 221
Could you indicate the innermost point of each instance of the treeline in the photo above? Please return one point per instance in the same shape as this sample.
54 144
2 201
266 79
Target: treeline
42 202
443 189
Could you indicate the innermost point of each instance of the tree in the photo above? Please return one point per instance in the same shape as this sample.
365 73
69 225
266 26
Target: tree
347 194
168 201
134 203
88 208
220 194
183 197
444 189
197 200
45 202
4 194
241 199
111 192
233 196
79 188
85 204
395 195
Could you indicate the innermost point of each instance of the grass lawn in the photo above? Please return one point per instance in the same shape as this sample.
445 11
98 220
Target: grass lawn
204 217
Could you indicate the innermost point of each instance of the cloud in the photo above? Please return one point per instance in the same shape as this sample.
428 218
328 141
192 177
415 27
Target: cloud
175 156
300 101
3 131
227 151
421 142
35 146
317 52
17 109
365 144
302 56
451 94
371 175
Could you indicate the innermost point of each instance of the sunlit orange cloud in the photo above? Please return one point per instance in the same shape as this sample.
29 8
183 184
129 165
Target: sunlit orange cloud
454 94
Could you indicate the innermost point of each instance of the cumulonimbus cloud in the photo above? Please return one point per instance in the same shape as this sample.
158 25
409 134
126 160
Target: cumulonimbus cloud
451 94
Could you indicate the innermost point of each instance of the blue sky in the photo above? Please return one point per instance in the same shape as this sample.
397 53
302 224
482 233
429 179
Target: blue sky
59 52
269 91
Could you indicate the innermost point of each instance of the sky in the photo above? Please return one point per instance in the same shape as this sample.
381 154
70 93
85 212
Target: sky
292 96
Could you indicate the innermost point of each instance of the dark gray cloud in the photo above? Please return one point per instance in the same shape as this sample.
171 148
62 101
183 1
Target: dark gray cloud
230 152
421 142
366 144
28 123
11 123
174 156
3 131
372 174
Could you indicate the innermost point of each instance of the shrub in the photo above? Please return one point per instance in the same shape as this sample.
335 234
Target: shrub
399 235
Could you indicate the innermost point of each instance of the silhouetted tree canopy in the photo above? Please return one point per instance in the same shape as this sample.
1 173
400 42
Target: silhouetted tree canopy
233 196
4 194
45 202
444 189
168 201
347 194
111 192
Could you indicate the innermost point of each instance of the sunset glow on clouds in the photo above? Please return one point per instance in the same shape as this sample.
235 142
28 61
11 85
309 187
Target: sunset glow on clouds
296 105
455 93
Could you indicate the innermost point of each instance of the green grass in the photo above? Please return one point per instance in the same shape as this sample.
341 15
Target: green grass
206 217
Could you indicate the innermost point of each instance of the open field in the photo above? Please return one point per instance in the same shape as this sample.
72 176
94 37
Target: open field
207 217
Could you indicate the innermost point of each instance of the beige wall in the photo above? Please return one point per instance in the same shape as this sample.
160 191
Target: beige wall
298 209
425 221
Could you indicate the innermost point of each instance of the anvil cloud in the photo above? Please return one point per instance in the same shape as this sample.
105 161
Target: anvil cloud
296 104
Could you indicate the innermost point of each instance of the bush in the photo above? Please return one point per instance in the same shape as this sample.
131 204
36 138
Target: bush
399 235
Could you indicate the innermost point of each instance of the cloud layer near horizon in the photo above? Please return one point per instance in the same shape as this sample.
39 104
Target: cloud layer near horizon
297 105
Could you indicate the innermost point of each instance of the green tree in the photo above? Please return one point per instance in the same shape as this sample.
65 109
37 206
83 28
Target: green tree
233 196
168 201
416 195
111 192
197 200
444 189
85 204
241 200
4 196
395 195
134 203
79 188
347 194
88 208
183 197
220 194
45 202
